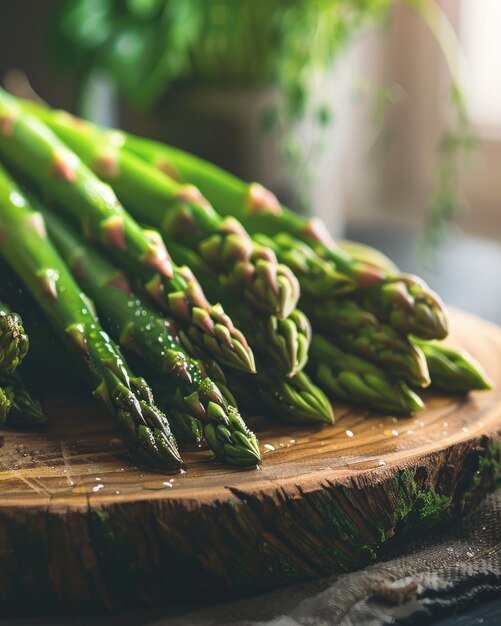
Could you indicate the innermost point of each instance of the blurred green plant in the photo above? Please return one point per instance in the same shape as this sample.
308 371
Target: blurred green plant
147 46
446 200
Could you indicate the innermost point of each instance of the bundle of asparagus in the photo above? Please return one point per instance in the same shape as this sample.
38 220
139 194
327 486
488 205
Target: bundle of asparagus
146 233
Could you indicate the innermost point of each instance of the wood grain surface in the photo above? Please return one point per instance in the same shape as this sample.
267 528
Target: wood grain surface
81 528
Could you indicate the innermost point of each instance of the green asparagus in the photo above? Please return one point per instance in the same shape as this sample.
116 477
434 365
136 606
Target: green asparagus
27 249
404 301
293 400
283 343
186 427
453 371
14 342
352 379
361 333
232 442
139 329
180 212
27 144
30 146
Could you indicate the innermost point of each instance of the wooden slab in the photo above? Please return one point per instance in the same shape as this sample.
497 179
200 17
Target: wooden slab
82 529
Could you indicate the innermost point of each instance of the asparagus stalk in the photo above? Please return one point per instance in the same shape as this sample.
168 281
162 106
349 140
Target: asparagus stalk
186 427
25 410
453 371
360 332
349 378
225 433
181 212
14 341
136 325
295 400
138 328
31 147
26 248
282 343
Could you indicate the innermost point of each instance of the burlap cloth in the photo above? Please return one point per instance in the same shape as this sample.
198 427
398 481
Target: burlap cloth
443 573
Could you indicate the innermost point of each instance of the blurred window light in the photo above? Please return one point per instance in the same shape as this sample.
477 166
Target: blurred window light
480 27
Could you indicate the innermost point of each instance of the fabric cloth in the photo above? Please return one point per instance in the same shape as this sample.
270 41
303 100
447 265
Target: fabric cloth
443 573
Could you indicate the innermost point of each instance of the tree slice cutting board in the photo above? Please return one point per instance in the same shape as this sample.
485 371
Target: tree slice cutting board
82 529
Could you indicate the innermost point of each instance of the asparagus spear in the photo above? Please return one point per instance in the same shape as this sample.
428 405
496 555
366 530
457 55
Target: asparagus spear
14 342
295 400
186 427
181 212
453 371
139 329
30 146
136 325
348 377
25 410
402 300
283 343
183 423
361 333
26 248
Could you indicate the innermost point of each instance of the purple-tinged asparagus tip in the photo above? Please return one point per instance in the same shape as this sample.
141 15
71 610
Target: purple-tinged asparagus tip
190 193
167 168
262 200
48 280
316 230
64 166
6 124
113 232
108 164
